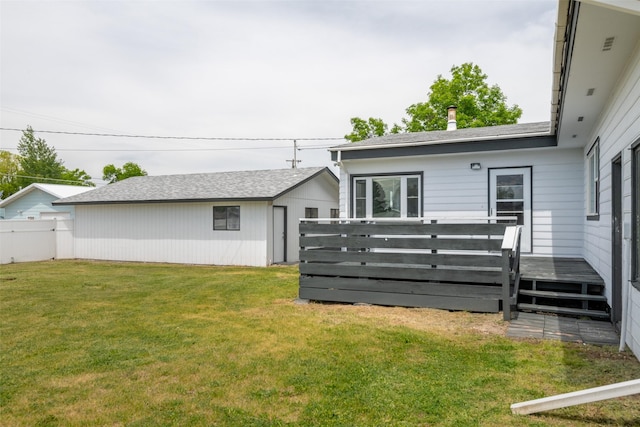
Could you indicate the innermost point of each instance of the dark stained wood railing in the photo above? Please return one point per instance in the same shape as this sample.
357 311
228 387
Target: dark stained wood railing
460 266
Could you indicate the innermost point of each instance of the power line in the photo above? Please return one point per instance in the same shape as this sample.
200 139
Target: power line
188 138
78 183
318 147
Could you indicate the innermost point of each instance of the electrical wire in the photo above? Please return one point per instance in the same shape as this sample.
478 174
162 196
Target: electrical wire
188 138
78 183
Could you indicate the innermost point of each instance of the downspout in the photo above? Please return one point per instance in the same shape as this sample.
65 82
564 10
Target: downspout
625 313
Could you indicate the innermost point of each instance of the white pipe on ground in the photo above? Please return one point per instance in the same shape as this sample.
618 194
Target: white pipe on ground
596 394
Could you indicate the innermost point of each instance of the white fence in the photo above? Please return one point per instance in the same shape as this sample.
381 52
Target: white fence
36 240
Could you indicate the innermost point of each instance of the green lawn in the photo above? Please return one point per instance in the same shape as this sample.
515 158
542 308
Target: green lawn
96 343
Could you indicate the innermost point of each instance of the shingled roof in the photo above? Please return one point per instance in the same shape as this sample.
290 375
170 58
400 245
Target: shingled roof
460 141
449 137
220 186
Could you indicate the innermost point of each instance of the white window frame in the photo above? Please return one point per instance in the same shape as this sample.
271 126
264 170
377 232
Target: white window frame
368 179
593 182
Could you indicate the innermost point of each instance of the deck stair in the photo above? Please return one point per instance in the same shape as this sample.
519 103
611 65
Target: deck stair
565 286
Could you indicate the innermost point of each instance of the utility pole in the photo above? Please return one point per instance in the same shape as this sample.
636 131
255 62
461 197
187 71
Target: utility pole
294 161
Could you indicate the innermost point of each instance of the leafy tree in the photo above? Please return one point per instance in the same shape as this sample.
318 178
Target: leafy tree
37 159
77 177
9 171
365 129
478 105
40 163
113 174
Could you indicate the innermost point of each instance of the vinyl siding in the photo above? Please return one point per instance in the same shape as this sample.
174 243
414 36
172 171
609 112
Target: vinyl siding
451 188
321 193
32 204
618 128
171 232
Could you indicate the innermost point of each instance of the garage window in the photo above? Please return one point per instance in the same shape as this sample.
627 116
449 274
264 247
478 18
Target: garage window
226 217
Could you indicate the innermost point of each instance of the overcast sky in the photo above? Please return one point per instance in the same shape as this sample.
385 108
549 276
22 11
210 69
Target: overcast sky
249 69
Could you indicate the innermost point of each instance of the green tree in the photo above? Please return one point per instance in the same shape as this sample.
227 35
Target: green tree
77 177
9 171
40 163
113 174
37 160
478 105
365 129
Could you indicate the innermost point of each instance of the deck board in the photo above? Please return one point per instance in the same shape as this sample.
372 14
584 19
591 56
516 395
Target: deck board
569 270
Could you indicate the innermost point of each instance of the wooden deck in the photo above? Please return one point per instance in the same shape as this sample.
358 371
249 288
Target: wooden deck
561 286
566 270
454 266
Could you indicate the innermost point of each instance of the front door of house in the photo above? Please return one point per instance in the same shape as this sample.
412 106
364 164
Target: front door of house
510 195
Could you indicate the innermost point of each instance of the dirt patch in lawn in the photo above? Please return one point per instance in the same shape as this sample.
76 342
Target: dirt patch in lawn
426 319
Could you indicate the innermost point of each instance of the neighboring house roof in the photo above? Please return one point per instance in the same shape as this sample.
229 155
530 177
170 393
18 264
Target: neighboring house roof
56 190
491 138
220 186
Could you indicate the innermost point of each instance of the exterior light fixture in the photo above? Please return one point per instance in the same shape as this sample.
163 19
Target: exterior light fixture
475 166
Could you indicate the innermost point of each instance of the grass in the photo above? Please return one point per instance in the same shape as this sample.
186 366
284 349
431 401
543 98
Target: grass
96 343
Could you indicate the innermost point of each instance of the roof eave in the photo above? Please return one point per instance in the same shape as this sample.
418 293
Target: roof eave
152 201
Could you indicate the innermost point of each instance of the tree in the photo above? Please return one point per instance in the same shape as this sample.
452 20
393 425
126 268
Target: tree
113 174
77 177
9 171
478 104
39 163
37 159
365 129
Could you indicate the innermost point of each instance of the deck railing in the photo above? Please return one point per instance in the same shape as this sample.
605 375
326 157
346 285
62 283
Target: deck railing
457 263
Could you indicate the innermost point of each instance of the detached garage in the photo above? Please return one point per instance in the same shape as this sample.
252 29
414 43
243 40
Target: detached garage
227 218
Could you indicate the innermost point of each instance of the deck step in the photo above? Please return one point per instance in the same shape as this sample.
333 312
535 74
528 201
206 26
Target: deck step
563 310
563 295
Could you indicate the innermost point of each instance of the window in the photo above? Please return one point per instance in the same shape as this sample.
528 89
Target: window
311 212
593 183
226 217
635 200
387 196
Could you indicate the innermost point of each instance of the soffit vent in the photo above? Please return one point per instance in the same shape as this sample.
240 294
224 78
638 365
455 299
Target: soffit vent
608 44
581 118
590 91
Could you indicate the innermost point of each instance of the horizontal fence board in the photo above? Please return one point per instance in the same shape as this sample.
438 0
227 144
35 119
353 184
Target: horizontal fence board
401 243
403 273
404 229
337 256
447 266
402 287
403 300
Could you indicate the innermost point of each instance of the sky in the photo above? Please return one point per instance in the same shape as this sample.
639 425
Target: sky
251 76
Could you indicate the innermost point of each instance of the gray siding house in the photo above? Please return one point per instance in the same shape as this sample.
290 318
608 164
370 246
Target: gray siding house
573 182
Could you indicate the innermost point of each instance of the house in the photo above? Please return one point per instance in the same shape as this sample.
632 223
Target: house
573 183
34 202
227 218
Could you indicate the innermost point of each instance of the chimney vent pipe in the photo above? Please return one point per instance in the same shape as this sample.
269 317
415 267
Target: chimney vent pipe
452 124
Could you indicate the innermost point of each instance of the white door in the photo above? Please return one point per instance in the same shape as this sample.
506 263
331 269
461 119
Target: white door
510 195
279 234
